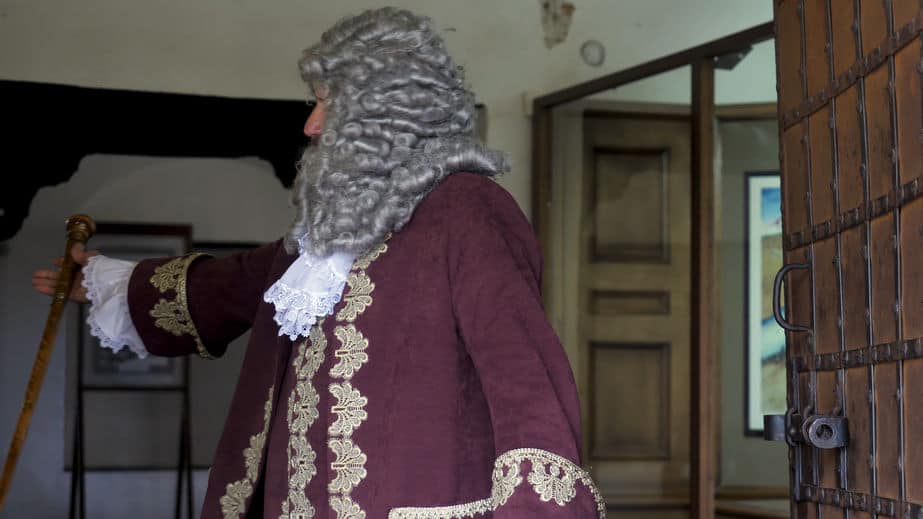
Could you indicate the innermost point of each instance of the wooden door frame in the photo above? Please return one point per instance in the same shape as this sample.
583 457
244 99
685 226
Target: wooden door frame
704 348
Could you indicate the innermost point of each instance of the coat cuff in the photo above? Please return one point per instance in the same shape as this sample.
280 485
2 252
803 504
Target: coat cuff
159 306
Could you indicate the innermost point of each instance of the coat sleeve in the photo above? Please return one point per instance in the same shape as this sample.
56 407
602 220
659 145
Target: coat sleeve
495 272
196 303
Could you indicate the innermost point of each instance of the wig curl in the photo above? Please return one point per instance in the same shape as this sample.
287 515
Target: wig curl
399 119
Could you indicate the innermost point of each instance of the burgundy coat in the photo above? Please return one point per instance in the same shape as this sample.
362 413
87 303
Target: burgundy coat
437 389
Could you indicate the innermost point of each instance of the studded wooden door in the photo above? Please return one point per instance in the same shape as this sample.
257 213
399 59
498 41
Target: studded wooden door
850 112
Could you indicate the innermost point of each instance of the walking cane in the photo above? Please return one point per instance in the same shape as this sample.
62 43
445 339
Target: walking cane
79 229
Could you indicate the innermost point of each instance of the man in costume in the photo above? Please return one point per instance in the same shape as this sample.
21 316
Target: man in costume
400 363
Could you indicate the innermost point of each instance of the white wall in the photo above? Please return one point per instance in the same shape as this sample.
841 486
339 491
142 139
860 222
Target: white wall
249 205
753 80
249 48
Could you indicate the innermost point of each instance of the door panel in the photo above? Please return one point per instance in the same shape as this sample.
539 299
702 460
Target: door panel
855 296
873 23
909 113
880 143
887 444
795 186
822 167
849 153
884 298
904 11
637 174
623 276
911 274
857 408
913 447
788 38
817 59
860 362
826 263
845 50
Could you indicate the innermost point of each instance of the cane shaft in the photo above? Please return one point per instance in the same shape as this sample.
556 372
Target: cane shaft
79 230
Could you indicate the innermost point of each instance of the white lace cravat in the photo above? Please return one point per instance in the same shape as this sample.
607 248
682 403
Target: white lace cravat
308 290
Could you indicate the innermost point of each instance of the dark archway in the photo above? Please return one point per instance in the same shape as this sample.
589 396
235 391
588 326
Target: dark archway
46 129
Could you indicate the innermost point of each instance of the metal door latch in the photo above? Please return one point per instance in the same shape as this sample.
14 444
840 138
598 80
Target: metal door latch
822 432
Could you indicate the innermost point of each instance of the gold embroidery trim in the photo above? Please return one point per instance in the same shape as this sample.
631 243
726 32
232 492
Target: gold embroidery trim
358 298
349 461
366 261
349 409
349 466
346 508
351 354
552 477
234 501
173 316
302 413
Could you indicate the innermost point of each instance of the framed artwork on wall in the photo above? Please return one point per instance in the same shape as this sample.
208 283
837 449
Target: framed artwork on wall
765 340
124 412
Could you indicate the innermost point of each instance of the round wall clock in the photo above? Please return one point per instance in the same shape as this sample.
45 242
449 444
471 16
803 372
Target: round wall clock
593 53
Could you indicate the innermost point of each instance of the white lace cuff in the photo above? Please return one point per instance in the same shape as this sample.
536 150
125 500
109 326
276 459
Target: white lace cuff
106 281
308 290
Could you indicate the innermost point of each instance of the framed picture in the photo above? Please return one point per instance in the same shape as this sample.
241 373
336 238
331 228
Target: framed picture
132 242
765 339
122 412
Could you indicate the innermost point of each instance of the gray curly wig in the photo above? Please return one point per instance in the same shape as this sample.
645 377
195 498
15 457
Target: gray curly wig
398 121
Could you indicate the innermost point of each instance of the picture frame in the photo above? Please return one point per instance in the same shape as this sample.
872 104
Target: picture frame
764 359
122 412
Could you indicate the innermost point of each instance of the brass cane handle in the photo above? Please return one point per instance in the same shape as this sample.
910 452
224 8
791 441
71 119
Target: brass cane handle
79 229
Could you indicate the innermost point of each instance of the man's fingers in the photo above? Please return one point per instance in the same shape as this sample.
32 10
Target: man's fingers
45 274
44 286
48 291
44 281
78 252
41 283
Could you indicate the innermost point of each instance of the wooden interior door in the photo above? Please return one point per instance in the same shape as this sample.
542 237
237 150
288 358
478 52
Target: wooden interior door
624 312
850 112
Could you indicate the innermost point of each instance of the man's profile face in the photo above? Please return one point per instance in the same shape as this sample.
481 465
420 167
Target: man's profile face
314 126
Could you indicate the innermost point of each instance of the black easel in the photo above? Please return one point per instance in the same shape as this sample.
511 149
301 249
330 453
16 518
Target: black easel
78 463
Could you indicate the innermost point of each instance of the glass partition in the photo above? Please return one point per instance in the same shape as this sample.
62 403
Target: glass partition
753 473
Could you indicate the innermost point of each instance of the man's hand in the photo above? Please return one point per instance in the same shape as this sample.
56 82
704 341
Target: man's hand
45 280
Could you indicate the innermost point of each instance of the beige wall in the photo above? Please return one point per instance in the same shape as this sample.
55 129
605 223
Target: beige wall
249 48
